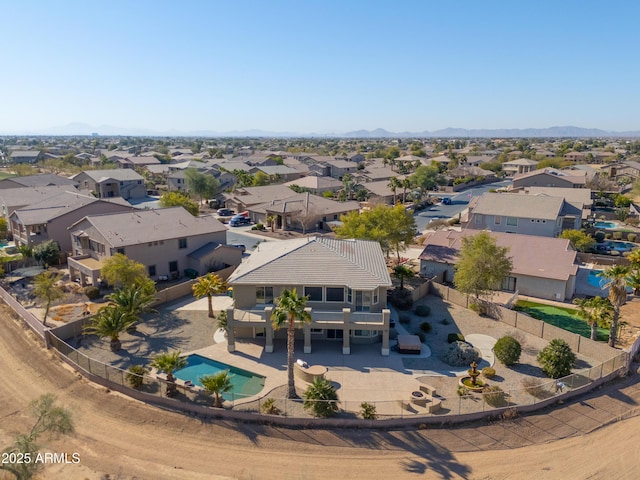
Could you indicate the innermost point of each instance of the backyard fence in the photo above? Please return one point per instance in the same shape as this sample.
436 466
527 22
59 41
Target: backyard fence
28 318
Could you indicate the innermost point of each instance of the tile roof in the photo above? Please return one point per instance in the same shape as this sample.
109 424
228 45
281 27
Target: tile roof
315 261
19 197
533 256
119 174
44 180
521 206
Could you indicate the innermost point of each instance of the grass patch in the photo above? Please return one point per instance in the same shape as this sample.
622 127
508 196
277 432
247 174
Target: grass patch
4 175
565 318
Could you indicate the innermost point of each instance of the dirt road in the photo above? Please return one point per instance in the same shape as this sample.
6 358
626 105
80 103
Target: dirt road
127 439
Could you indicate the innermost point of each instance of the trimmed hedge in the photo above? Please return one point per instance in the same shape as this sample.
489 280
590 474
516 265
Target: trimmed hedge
507 349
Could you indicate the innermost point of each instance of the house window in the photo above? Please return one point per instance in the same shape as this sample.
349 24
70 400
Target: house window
264 295
497 219
314 293
317 331
512 221
364 333
182 243
120 250
509 284
173 266
335 294
349 295
375 297
478 218
152 270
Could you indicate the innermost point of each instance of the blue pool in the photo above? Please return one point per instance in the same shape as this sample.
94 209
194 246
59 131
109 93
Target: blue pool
618 245
244 383
598 282
605 225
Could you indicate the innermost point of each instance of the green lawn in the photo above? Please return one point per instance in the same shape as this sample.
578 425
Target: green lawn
4 175
565 318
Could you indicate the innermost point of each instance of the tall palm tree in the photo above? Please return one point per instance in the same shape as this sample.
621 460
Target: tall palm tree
597 311
209 285
110 322
47 290
394 184
616 281
406 183
217 384
134 301
289 308
169 363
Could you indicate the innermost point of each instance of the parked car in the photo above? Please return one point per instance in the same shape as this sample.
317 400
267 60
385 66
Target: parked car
239 221
225 212
446 201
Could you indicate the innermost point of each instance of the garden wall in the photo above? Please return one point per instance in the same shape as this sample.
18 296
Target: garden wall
551 332
33 323
71 329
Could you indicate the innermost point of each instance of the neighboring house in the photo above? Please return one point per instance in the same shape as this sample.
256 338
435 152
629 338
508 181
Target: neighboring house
439 160
521 165
43 180
244 197
122 182
50 218
166 241
316 185
25 156
301 211
542 267
550 177
133 162
575 157
177 181
572 195
538 215
17 198
346 282
382 192
338 168
281 171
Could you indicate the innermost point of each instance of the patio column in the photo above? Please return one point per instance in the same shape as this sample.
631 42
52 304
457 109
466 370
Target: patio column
231 338
268 330
306 330
346 318
386 314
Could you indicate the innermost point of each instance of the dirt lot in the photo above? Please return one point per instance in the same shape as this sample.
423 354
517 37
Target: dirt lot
126 439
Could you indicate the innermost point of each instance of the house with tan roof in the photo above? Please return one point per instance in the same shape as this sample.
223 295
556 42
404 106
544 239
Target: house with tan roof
244 197
17 198
316 184
551 177
42 180
347 297
520 165
166 241
542 267
538 215
121 182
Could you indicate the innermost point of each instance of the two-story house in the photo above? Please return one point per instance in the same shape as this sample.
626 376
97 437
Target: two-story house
166 241
550 177
121 182
346 283
538 215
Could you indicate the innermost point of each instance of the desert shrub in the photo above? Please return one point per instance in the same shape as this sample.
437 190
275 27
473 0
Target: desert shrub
617 235
631 237
445 321
455 337
425 327
534 388
91 292
401 299
423 310
557 359
494 396
269 407
463 391
321 398
135 376
404 319
608 236
633 221
421 336
459 354
368 411
478 307
507 349
489 372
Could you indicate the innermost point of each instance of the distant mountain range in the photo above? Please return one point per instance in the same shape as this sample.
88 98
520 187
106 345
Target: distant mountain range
551 132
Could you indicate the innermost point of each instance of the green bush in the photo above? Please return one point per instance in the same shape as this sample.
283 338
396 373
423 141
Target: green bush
489 372
91 292
617 235
425 327
557 359
321 398
423 310
404 319
494 396
401 299
599 236
460 354
135 376
507 349
368 411
478 307
455 337
631 237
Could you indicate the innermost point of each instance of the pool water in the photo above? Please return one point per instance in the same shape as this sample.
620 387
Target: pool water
244 383
598 282
605 225
617 245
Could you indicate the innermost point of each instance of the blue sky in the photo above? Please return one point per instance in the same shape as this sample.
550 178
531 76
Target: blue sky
319 66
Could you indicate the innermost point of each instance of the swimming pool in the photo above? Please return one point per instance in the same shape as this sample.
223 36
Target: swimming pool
605 225
596 281
244 383
617 245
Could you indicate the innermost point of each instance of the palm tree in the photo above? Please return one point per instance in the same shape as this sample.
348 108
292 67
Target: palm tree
406 183
616 281
47 290
597 311
134 301
289 308
394 184
209 285
401 272
217 384
27 253
110 322
168 363
271 220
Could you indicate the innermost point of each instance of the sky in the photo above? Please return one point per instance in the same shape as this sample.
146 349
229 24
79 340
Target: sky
319 66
